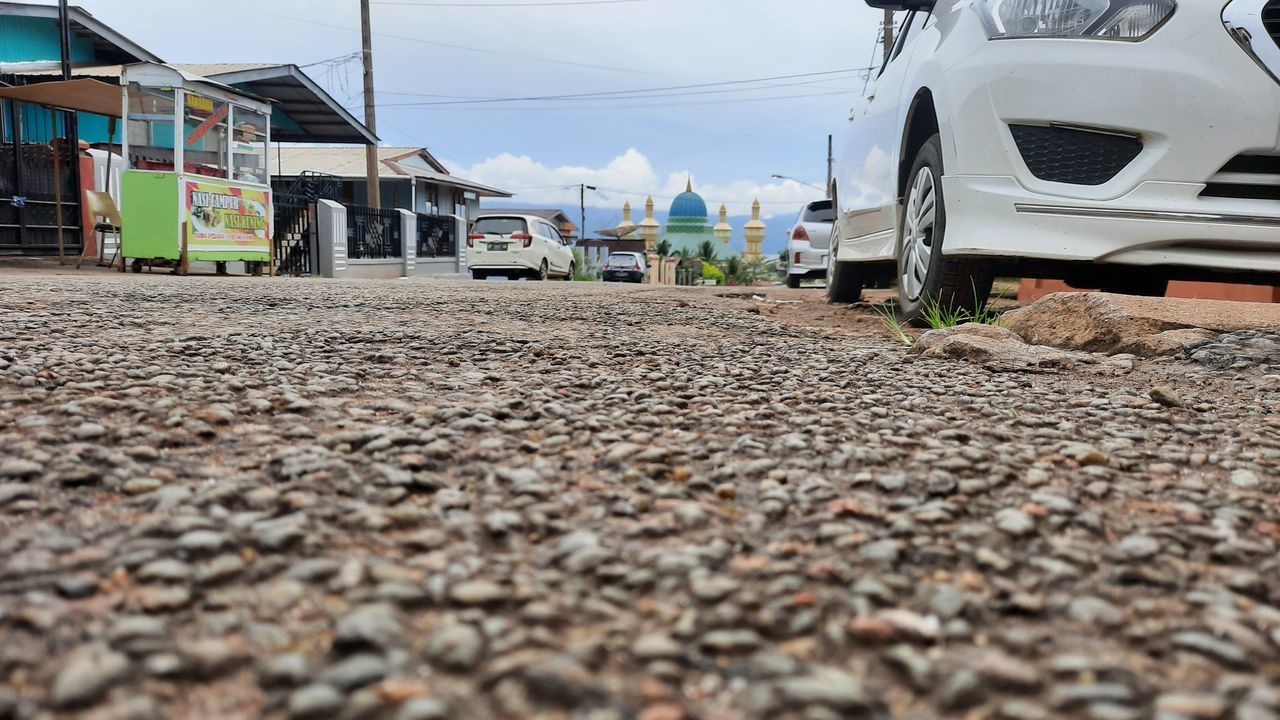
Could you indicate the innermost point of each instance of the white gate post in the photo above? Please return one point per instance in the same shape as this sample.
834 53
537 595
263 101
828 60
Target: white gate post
409 242
331 224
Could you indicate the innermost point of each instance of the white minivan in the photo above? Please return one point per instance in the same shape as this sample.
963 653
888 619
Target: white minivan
516 246
1109 143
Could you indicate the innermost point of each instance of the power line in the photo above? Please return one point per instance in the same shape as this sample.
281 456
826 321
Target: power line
465 48
633 94
638 106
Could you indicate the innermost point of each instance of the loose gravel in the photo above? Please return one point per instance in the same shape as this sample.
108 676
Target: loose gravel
242 498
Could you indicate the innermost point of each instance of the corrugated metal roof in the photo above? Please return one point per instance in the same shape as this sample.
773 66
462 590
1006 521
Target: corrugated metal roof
349 163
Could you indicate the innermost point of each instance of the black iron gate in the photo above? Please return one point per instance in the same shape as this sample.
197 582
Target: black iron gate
294 234
28 193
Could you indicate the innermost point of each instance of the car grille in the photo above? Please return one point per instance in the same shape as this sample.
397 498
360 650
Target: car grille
1074 156
1247 177
1271 19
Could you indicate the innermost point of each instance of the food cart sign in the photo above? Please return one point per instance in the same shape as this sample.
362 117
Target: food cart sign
226 218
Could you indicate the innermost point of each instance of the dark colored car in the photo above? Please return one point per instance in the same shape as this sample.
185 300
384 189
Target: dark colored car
624 267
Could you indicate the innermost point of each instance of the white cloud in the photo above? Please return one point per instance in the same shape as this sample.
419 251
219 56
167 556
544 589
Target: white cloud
629 177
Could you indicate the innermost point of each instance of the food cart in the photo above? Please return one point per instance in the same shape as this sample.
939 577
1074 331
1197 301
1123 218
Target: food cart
196 184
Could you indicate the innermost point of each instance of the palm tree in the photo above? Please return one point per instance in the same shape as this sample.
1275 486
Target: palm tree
733 269
707 251
664 248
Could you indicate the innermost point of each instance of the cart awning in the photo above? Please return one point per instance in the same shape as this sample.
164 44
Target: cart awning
91 96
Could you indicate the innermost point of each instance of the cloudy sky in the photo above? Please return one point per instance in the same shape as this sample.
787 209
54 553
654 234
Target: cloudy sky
648 69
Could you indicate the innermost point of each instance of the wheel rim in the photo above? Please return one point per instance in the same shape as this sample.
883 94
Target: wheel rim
918 234
542 271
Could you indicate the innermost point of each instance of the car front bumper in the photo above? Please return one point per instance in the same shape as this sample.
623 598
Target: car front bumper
1195 98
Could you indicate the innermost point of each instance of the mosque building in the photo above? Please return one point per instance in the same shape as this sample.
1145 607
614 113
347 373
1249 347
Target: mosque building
688 227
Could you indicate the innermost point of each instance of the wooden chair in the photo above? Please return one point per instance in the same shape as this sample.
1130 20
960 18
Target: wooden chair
106 217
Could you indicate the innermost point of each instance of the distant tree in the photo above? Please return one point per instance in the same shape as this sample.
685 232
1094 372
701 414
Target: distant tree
707 251
732 267
664 248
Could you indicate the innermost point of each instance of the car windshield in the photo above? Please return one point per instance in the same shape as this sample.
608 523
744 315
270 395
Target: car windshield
499 226
621 261
819 212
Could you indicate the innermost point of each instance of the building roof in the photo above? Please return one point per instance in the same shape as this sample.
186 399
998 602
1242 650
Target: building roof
349 162
688 204
318 116
108 44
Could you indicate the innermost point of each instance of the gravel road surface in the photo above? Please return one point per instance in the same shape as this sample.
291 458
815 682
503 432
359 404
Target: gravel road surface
243 498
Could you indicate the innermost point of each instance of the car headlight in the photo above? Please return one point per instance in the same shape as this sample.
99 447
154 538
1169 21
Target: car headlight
1100 19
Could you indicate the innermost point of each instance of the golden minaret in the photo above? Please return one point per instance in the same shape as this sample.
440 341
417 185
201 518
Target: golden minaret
723 231
755 230
649 228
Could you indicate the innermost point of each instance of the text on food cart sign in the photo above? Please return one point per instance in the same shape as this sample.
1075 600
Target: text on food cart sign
227 217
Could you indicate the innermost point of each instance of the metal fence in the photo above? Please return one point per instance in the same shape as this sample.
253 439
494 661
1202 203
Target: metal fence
373 234
28 213
437 236
293 235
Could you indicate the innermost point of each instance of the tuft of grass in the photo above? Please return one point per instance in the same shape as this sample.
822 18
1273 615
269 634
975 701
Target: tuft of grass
890 320
939 316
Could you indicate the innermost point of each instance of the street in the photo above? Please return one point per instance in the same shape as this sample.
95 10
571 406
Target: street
240 498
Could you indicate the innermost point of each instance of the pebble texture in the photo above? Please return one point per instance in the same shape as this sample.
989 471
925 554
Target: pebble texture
238 498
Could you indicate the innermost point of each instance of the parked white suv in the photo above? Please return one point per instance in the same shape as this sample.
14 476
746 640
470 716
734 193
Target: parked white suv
1110 143
809 243
518 246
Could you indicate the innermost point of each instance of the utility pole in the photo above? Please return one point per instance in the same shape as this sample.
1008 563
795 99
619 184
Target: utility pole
831 161
71 130
582 207
888 35
370 110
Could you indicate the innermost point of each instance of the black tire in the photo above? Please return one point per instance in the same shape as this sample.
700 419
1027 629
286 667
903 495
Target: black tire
844 279
541 274
793 281
479 275
136 266
956 284
573 268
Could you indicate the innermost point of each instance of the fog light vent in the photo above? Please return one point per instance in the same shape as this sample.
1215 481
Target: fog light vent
1074 156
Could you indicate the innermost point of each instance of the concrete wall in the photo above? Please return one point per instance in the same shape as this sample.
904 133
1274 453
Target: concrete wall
331 259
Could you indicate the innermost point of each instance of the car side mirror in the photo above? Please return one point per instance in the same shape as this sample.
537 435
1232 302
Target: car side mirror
902 4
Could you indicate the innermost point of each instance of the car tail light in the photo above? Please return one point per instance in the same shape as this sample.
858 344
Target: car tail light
800 234
471 239
526 237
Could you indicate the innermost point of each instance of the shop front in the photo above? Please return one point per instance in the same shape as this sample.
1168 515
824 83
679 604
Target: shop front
196 185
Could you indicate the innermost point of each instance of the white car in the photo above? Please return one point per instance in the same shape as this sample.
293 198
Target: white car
518 246
809 243
1109 143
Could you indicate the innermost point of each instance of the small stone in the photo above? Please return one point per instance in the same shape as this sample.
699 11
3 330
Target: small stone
1167 396
826 687
373 626
1138 547
354 672
141 486
457 647
1015 522
1211 647
315 702
19 468
477 592
88 431
960 691
90 671
1245 479
423 709
658 646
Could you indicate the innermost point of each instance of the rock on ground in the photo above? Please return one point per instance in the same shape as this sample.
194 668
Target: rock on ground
1101 322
